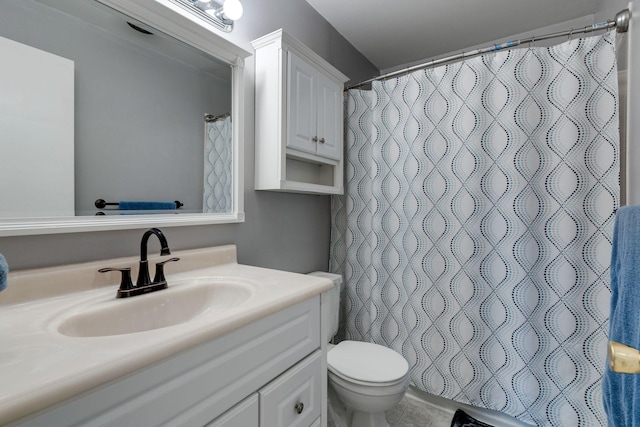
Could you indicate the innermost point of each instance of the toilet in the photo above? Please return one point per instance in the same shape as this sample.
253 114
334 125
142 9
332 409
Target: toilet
368 378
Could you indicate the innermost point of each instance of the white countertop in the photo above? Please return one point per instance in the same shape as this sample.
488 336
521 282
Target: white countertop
40 367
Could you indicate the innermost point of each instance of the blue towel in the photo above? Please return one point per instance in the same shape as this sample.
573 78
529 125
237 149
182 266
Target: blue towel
4 272
620 392
146 206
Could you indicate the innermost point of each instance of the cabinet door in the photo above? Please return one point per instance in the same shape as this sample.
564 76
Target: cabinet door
302 104
244 414
330 112
293 399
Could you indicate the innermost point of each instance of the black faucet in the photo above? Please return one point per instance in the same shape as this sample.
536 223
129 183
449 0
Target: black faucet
144 284
143 272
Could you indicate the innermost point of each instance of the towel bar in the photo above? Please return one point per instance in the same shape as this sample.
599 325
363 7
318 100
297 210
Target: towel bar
101 204
623 359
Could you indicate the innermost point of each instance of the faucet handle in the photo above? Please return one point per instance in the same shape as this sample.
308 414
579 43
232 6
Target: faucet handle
159 276
125 282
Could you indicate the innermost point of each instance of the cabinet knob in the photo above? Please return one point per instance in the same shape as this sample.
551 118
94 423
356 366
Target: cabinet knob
321 140
299 407
314 139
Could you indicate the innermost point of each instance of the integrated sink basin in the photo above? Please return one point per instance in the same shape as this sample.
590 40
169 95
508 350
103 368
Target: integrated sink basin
182 302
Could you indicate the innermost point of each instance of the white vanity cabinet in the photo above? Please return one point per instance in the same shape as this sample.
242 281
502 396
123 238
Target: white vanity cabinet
244 414
267 373
293 399
299 118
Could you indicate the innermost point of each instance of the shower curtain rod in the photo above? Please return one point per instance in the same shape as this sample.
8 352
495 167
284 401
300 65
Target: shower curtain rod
621 24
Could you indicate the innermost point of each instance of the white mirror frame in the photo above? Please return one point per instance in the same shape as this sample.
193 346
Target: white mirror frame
178 23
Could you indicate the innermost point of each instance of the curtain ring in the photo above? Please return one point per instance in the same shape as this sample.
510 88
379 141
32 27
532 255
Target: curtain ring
571 35
532 41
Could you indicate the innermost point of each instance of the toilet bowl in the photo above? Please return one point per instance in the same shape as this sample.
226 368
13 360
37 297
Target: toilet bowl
368 378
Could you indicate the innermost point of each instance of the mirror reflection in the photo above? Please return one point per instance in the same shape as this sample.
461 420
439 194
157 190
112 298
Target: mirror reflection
99 106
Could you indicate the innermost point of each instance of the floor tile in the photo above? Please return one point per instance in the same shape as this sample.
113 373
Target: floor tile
420 414
410 412
395 414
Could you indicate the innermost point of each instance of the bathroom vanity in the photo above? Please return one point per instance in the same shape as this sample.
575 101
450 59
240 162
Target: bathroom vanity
224 344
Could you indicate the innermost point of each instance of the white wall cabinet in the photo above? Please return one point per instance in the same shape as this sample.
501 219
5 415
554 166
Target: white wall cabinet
299 118
314 111
248 377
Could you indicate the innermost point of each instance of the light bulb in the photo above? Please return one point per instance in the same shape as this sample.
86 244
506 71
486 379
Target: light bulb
232 9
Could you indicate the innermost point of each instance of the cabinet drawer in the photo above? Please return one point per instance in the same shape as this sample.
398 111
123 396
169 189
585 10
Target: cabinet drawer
294 398
244 414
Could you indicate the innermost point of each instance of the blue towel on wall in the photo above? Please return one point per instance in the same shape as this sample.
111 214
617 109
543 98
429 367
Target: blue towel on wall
621 392
4 272
146 206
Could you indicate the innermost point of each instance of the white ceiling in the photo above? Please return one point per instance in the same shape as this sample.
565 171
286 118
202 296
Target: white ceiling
397 32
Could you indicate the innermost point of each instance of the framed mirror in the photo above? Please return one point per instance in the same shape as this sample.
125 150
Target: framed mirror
137 105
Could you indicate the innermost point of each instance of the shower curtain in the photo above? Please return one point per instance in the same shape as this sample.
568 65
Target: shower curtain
475 231
218 158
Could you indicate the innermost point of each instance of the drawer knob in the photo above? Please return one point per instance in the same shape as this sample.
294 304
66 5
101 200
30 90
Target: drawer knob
314 139
321 140
299 407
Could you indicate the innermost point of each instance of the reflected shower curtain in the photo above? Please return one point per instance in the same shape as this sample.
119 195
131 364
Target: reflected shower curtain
218 159
475 231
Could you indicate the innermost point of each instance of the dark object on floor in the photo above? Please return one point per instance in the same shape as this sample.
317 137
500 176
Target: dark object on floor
461 419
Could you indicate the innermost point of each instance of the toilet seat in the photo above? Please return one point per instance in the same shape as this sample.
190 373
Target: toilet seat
367 363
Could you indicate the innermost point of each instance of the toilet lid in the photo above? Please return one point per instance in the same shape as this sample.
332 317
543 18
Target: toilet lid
367 362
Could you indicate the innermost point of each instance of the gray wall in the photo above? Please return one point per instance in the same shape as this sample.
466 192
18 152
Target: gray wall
284 231
607 9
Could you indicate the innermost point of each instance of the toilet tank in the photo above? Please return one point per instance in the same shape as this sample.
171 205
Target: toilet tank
331 305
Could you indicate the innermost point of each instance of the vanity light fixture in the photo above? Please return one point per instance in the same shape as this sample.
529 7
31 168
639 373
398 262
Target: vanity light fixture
221 13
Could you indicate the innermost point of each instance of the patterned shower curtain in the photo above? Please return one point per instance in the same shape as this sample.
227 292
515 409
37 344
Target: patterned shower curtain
475 232
218 159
